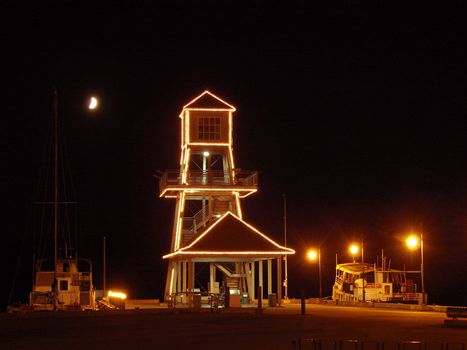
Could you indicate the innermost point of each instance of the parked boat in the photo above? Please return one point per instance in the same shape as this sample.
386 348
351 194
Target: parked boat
61 281
358 282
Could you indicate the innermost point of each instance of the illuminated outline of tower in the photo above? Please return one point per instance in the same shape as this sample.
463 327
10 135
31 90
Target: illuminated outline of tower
208 189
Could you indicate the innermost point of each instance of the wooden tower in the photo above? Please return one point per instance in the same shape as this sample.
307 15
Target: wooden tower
208 225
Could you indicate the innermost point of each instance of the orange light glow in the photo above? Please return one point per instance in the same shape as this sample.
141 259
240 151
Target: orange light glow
232 166
171 280
178 225
210 189
230 128
223 144
353 249
187 126
239 209
312 254
222 253
183 250
182 199
412 242
182 138
247 192
118 295
231 108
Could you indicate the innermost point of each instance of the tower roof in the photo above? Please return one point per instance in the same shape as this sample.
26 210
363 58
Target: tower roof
231 236
207 101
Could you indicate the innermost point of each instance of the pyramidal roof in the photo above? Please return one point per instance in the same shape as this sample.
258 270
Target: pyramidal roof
208 100
230 235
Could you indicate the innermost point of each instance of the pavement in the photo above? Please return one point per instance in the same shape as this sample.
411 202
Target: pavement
159 327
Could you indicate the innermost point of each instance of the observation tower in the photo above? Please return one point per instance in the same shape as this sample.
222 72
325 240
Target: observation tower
213 249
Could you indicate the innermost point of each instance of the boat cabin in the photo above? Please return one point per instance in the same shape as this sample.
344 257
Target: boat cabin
67 286
357 282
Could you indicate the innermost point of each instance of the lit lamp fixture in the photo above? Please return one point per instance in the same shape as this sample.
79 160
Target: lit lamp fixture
117 299
312 255
315 255
118 295
413 242
353 249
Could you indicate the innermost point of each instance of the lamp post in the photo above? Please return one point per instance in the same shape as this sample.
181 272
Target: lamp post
353 249
414 241
313 255
286 277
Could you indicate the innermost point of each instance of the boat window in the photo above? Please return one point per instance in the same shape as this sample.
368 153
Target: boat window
63 285
85 286
84 266
46 265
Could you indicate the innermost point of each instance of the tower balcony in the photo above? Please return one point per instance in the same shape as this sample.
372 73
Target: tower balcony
204 182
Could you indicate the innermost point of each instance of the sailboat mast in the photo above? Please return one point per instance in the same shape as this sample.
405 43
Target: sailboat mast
55 180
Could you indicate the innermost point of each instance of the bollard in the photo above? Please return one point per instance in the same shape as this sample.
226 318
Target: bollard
303 301
260 298
227 297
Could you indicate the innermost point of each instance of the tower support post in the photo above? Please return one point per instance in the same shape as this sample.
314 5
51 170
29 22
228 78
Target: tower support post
269 277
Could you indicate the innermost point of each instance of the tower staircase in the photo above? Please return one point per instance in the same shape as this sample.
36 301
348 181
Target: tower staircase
193 224
233 280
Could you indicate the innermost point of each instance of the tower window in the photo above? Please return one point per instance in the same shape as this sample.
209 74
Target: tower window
209 128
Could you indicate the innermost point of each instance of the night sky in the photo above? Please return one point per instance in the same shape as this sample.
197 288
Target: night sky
356 112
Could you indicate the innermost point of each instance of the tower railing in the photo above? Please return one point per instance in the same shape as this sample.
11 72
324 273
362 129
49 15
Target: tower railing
193 223
219 178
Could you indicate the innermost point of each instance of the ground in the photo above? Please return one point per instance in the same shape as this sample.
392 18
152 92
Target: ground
275 328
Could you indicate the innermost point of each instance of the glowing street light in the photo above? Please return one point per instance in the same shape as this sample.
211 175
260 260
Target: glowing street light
313 255
413 242
353 249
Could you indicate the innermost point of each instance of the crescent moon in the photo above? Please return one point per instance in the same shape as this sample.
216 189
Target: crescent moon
93 103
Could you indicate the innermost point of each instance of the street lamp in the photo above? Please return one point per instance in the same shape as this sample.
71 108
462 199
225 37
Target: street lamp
353 249
313 255
414 241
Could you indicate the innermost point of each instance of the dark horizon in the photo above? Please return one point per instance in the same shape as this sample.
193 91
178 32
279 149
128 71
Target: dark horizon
356 114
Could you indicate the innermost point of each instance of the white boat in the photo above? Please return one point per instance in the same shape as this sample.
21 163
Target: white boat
61 281
358 282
